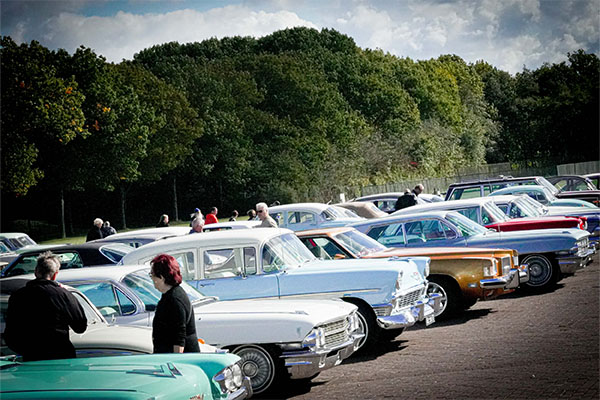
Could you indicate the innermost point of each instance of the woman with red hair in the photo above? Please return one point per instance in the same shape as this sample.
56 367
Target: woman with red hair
174 326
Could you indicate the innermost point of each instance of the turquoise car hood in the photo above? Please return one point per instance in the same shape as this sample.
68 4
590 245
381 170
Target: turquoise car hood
530 241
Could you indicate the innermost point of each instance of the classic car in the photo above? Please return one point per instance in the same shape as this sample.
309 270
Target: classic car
571 183
543 195
461 275
484 187
386 202
16 240
304 337
299 216
365 209
591 216
99 339
224 226
547 252
272 263
140 237
149 376
484 211
594 178
70 256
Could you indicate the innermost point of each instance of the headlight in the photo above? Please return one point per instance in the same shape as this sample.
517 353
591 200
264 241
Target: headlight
516 260
399 281
230 378
352 323
491 270
315 339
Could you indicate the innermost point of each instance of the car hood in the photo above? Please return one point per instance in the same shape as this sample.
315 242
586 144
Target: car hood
227 323
578 211
436 252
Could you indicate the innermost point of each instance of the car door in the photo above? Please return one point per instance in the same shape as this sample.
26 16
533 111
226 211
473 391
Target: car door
431 233
391 235
233 272
302 220
111 301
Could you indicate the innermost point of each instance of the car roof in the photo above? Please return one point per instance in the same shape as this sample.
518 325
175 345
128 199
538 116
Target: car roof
507 178
522 188
444 205
233 224
215 237
325 231
89 246
149 233
12 235
300 206
378 196
425 214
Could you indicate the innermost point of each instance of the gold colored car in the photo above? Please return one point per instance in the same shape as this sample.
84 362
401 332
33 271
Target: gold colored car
461 275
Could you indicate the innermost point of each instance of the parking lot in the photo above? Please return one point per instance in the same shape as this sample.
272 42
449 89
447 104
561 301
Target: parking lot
521 346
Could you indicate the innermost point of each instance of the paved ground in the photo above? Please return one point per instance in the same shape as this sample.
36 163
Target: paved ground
521 346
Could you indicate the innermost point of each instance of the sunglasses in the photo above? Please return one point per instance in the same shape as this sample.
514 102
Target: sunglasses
260 211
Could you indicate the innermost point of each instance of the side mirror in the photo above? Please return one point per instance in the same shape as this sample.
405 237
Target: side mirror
107 311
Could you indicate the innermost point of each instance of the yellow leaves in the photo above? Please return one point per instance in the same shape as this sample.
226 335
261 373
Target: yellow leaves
80 129
96 126
47 105
106 109
60 140
69 90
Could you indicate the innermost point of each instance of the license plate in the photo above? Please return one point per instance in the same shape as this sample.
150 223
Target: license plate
430 319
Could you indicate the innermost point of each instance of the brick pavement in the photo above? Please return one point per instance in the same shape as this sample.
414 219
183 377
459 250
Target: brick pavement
520 346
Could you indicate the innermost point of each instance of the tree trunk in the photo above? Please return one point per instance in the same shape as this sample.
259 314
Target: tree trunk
62 213
123 201
176 214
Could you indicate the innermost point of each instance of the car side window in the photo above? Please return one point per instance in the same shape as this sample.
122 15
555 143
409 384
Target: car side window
301 217
448 232
504 207
187 265
324 248
388 234
278 217
470 213
106 298
432 230
221 263
70 260
467 193
560 185
25 265
250 260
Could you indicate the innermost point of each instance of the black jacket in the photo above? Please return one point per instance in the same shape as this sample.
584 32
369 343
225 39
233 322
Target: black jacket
93 234
174 323
406 200
38 320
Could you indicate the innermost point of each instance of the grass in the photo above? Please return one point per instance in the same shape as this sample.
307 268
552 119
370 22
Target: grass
81 239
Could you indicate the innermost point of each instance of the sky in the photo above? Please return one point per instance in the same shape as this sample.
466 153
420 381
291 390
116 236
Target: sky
509 34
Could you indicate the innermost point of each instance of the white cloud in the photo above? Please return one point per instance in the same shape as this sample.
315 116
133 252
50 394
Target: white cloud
124 34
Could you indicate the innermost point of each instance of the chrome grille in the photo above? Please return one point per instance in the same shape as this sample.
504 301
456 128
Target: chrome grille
409 298
582 245
336 333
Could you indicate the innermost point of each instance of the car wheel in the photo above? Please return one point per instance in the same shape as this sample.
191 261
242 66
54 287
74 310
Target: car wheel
541 271
258 364
451 301
367 324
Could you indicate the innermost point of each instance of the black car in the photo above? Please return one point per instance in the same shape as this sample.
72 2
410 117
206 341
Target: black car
70 256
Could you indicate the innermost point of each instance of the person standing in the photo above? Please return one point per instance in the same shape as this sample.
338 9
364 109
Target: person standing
409 199
263 214
251 215
39 315
96 231
174 325
234 215
107 230
211 217
163 221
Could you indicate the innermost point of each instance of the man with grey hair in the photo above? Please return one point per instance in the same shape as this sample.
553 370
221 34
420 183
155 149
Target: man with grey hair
96 231
262 210
197 225
39 315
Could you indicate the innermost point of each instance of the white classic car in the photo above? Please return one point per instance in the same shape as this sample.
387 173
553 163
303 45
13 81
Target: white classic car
275 339
302 216
272 263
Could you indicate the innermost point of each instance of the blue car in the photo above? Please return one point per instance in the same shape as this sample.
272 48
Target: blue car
548 252
304 216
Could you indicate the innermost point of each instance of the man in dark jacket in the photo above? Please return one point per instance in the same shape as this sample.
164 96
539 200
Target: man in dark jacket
39 315
96 231
409 199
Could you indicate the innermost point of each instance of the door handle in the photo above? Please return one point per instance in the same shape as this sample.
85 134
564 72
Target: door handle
206 284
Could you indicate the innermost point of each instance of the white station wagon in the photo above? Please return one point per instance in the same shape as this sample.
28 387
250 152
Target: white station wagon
272 263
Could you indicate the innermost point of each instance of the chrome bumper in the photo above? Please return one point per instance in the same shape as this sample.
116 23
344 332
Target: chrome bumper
245 392
570 264
421 310
512 280
306 364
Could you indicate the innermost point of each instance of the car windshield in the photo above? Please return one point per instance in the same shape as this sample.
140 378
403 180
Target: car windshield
539 207
494 212
548 193
91 312
141 283
358 243
546 184
284 252
465 225
524 208
334 212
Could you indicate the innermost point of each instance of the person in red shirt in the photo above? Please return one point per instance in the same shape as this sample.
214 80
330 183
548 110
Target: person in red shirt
211 218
